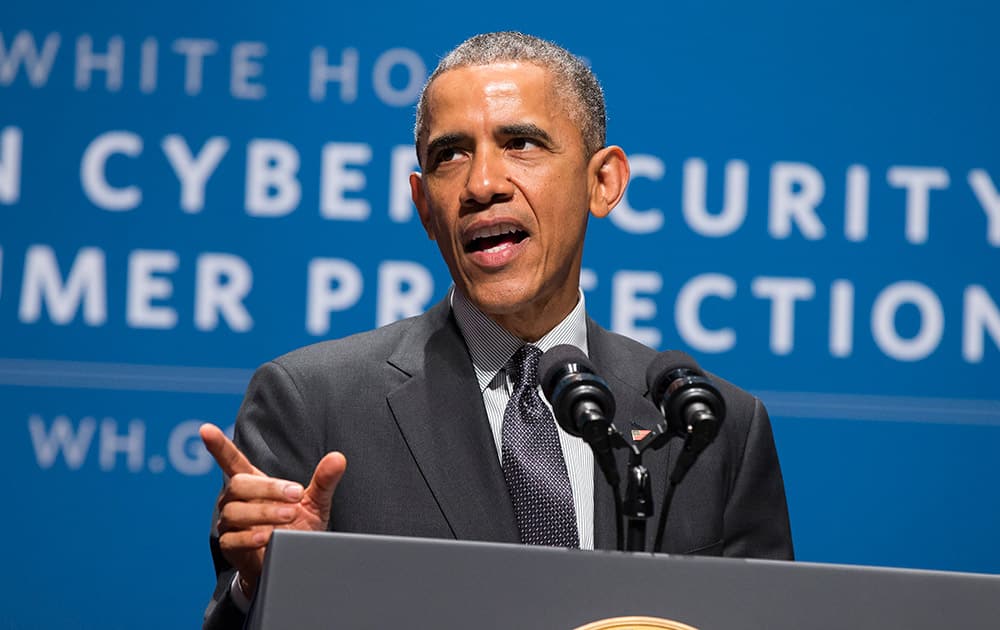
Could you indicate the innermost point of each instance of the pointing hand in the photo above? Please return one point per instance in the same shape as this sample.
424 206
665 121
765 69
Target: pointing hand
252 504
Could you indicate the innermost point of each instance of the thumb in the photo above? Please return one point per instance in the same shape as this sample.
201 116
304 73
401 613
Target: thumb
319 494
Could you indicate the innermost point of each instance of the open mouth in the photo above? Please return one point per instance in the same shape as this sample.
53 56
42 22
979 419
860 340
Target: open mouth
494 238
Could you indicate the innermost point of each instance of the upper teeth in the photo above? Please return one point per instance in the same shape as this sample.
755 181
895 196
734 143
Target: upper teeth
494 230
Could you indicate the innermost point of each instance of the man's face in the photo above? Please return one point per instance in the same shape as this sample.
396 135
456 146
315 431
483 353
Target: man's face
505 191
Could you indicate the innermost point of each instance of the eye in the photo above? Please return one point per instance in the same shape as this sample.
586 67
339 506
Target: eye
521 144
447 154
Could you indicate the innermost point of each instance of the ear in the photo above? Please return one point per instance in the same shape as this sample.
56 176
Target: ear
419 197
607 177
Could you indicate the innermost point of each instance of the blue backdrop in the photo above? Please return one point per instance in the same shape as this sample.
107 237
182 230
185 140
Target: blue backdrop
189 189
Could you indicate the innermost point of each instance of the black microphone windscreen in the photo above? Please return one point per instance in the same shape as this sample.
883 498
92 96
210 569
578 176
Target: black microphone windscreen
667 362
555 360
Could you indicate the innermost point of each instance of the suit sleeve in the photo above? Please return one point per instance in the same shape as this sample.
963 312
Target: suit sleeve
756 515
274 431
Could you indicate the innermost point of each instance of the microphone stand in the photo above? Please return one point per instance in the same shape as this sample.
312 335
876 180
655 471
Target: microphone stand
637 507
638 504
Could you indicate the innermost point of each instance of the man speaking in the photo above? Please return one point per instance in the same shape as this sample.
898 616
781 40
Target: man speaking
434 426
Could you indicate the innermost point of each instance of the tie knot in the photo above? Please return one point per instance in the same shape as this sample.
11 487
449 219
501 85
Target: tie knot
523 366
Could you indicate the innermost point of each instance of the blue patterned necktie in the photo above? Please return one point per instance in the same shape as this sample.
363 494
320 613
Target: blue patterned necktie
533 462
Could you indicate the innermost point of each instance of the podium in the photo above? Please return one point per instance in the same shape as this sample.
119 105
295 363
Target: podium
330 580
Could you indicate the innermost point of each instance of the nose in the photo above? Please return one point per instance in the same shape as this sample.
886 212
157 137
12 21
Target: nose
488 180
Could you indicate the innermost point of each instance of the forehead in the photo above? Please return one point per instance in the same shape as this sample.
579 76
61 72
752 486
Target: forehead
494 93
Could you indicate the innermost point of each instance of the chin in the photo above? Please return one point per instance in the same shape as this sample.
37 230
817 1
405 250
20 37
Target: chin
499 301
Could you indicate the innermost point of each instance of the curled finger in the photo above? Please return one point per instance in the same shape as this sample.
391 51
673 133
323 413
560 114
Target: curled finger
237 515
250 487
246 539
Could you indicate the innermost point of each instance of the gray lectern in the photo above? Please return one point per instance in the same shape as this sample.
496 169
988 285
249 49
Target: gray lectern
352 581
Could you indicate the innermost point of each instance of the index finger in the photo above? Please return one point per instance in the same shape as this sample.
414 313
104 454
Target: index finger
230 459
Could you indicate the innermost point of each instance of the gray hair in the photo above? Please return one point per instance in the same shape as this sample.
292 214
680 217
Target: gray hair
570 74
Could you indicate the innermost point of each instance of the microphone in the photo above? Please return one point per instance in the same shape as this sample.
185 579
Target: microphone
692 405
694 409
582 402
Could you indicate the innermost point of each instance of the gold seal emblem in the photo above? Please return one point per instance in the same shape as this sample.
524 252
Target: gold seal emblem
636 623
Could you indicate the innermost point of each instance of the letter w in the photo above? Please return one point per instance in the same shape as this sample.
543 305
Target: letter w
24 51
60 438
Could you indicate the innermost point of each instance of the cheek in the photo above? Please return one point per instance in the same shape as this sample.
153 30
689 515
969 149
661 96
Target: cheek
562 205
544 188
552 180
444 232
439 218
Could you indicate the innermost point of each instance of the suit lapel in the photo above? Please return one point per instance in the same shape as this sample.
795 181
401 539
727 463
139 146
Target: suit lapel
625 373
439 411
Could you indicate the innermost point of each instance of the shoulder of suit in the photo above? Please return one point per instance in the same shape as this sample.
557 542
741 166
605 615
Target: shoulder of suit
351 347
371 347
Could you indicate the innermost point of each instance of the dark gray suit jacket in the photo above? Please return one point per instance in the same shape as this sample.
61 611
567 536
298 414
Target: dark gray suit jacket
403 404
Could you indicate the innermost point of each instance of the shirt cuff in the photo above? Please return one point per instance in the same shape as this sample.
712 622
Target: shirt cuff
240 599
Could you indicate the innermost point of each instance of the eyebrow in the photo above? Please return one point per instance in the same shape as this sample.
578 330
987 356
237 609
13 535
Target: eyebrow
446 140
526 129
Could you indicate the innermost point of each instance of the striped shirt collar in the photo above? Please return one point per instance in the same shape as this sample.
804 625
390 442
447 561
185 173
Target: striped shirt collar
491 347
